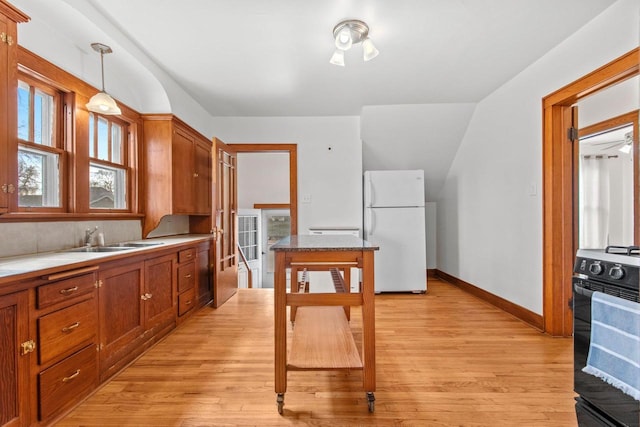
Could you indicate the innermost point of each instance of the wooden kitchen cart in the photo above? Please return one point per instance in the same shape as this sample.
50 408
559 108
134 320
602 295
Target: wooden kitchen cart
322 337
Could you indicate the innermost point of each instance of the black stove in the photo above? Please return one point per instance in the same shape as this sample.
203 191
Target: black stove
614 271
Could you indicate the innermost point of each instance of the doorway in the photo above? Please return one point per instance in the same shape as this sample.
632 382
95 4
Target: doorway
607 183
559 201
279 212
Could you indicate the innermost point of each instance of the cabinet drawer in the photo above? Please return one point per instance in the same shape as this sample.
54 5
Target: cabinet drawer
64 331
186 276
186 301
68 381
186 255
66 290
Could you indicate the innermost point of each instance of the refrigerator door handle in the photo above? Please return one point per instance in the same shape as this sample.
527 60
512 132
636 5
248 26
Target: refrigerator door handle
369 190
372 221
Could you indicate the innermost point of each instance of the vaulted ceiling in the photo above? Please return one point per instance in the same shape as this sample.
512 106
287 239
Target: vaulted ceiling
271 58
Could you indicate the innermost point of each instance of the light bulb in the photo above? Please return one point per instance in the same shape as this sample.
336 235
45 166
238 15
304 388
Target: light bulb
369 50
337 58
343 39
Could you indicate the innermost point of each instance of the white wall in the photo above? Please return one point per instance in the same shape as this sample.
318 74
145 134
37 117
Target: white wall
431 229
329 162
490 208
262 178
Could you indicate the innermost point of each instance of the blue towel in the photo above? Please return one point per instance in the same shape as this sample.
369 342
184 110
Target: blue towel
614 353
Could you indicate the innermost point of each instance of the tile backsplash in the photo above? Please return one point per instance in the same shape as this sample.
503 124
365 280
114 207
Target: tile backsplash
23 238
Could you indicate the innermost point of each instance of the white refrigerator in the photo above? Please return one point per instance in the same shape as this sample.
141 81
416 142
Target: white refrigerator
394 220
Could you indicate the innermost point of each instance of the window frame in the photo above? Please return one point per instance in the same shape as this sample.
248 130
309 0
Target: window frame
127 153
58 134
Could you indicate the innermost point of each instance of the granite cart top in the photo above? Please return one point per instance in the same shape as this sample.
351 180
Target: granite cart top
325 242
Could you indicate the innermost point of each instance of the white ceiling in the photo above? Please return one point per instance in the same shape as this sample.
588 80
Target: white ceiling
271 58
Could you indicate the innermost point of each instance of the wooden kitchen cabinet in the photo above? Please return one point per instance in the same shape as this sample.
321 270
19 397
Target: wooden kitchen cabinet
15 355
64 332
177 162
203 272
159 294
137 307
186 282
67 339
9 18
121 311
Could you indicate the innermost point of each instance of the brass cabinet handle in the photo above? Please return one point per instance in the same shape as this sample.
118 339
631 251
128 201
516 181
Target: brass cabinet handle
27 347
70 327
188 302
68 290
72 376
188 276
145 297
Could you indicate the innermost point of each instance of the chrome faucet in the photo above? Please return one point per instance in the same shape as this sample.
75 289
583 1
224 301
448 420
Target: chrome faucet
87 235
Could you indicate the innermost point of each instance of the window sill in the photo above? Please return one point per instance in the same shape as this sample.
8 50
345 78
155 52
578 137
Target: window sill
51 216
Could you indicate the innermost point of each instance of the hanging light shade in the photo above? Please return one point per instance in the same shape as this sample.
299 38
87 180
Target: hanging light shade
338 58
101 102
350 32
369 50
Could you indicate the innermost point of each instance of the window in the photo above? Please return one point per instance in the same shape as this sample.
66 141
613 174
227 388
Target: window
108 168
39 146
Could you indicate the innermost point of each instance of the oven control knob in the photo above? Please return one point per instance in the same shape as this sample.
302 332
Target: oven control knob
595 268
616 273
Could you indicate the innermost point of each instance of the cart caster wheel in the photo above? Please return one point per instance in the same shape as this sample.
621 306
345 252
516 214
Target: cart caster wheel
371 401
280 401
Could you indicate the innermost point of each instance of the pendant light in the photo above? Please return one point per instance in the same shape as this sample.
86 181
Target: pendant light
101 102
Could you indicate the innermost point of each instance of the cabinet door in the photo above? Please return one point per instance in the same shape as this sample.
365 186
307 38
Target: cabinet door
183 172
203 261
14 376
121 314
202 189
159 296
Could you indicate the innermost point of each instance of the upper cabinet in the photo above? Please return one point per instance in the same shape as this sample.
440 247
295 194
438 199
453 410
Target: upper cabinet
9 18
177 170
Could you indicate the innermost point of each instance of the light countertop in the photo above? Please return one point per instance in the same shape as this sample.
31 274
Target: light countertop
16 267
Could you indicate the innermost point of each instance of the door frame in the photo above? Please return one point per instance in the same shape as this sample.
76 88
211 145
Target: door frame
559 239
292 149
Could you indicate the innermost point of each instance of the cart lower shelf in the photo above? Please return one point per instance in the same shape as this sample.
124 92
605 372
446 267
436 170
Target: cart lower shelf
322 340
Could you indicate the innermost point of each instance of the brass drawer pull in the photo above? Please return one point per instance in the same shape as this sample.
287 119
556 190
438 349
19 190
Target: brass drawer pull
68 290
188 302
188 276
72 376
70 327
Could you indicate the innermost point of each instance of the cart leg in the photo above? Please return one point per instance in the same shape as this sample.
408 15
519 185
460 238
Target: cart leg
280 401
371 401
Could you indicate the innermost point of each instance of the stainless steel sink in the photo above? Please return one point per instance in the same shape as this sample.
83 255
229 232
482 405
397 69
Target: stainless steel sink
100 249
138 244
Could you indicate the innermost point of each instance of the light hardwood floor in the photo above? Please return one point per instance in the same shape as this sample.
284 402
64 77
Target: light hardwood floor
443 359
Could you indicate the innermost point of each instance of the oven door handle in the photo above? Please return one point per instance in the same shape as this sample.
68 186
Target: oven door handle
582 291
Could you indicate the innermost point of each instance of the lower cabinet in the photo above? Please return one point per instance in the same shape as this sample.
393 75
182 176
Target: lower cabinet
15 354
205 283
67 336
72 330
159 299
120 289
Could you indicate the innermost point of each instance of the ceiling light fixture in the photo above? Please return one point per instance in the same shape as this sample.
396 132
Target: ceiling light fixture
350 32
101 102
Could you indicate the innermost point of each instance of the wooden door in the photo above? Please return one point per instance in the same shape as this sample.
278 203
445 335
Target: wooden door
203 257
14 377
226 222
